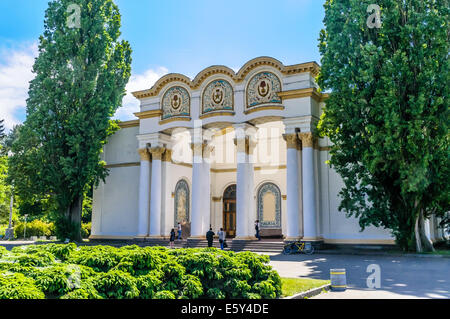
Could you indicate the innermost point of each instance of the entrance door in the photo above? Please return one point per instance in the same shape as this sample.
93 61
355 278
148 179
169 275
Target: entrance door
229 211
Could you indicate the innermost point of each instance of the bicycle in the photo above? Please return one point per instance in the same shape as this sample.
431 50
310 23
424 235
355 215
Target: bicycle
298 247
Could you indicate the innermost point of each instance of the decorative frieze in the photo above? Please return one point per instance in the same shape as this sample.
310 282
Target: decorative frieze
263 89
217 96
175 102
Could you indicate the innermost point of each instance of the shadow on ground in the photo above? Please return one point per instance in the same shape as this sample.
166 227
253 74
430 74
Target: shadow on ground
411 276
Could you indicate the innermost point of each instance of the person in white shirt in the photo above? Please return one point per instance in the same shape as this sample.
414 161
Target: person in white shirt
179 231
222 236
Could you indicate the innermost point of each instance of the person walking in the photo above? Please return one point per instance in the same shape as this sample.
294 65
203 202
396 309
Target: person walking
257 226
222 236
179 231
172 237
210 237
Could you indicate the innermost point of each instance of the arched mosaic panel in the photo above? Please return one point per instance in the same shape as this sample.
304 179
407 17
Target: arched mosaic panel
218 95
175 102
269 206
182 202
263 89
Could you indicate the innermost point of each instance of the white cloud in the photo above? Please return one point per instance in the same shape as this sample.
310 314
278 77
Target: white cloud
137 82
15 74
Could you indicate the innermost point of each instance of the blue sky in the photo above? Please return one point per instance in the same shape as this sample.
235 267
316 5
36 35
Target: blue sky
168 36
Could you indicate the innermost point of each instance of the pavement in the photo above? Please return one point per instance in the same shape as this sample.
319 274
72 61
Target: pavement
400 277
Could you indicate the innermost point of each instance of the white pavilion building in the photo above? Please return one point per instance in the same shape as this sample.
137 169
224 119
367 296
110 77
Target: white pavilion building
224 150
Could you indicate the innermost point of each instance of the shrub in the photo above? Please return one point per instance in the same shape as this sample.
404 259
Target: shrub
165 294
92 272
85 230
17 286
34 228
116 284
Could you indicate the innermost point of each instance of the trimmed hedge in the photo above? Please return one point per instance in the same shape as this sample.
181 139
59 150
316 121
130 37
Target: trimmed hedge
97 272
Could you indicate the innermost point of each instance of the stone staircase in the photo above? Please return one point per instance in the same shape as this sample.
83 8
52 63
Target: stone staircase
242 245
264 246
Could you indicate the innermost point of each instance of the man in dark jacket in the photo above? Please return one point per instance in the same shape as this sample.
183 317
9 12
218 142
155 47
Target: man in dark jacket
210 237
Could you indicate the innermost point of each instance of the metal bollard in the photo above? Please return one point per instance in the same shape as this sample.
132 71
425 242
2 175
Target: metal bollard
338 279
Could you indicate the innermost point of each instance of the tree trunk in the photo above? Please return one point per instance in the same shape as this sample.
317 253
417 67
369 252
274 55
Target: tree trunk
423 243
75 217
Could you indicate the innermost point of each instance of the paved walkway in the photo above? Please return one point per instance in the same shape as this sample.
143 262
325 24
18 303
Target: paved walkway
401 277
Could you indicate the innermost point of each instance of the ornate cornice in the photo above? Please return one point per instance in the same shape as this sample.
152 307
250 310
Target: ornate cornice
264 108
310 67
309 92
221 113
175 119
148 114
126 124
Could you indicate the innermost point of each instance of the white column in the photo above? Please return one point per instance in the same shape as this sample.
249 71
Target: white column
244 185
144 193
207 149
309 190
155 204
197 191
241 196
292 186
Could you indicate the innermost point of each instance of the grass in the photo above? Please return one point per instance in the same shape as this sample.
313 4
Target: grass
292 286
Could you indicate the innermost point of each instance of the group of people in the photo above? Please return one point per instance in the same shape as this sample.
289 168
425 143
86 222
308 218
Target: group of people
210 235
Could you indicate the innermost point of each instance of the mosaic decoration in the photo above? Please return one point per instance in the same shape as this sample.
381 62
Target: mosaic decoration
218 95
176 102
269 206
181 202
263 89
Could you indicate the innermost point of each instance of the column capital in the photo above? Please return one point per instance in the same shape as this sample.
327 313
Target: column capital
157 152
144 154
291 140
307 139
167 155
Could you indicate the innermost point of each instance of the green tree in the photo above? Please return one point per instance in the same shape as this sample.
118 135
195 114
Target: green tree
81 73
387 115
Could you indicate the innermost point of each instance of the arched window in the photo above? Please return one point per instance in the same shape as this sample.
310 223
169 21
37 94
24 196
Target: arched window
269 206
182 202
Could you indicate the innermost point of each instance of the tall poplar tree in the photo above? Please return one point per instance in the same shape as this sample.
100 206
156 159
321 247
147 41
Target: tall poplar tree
81 73
387 115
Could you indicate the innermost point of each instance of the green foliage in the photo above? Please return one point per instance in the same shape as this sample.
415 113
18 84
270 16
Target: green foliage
387 115
34 228
86 229
165 294
17 286
104 272
79 83
116 284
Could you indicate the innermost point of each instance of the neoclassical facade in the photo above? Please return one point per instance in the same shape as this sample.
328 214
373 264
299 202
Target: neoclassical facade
221 151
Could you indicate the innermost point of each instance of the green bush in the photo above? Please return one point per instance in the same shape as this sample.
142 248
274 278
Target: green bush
34 228
86 230
17 286
95 272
